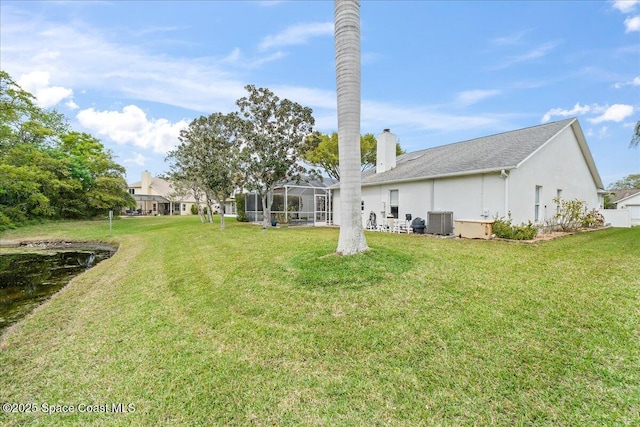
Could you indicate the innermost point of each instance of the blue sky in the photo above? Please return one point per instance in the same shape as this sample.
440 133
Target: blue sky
134 73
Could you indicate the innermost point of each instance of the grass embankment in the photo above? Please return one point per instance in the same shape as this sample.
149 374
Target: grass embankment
198 326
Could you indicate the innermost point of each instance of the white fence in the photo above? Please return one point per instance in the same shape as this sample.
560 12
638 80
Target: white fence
617 217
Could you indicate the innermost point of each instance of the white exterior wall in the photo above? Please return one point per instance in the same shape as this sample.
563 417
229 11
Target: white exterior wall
617 217
633 205
470 197
559 165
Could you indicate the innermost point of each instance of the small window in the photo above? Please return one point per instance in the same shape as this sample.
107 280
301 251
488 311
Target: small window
393 203
132 191
362 205
537 204
559 196
154 207
184 207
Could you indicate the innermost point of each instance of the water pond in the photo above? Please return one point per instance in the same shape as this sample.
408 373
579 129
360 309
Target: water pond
29 275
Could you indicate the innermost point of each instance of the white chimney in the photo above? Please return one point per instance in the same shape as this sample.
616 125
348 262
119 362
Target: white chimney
146 182
386 152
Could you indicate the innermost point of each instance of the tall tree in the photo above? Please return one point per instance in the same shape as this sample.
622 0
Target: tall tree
22 121
48 171
273 133
208 157
101 178
347 45
629 182
322 152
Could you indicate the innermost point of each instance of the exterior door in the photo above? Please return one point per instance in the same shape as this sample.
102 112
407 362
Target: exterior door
321 210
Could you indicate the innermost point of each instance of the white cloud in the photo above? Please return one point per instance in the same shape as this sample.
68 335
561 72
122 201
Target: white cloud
632 24
131 126
377 115
625 6
138 159
469 97
634 82
535 53
37 83
511 39
614 113
298 34
576 110
79 56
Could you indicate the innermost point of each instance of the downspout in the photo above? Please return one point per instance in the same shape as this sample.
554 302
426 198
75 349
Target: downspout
504 174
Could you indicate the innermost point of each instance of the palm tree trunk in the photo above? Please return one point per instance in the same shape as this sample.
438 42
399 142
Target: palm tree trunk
347 45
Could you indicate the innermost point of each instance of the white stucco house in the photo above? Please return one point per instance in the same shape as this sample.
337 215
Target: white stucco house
630 200
156 196
518 172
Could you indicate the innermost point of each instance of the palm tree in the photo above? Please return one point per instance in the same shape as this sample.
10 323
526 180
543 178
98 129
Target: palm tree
347 44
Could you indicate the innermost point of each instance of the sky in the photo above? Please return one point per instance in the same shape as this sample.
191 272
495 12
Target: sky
133 73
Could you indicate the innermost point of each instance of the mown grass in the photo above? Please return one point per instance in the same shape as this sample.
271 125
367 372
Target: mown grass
198 326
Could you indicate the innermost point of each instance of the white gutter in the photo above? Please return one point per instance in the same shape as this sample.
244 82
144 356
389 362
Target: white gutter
447 175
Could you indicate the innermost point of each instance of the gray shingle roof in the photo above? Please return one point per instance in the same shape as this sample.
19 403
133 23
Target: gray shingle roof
501 151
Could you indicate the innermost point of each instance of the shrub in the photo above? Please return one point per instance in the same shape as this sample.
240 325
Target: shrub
570 214
240 208
503 228
592 219
5 222
194 209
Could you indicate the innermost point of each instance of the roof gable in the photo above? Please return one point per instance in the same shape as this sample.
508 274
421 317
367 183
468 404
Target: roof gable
625 195
506 150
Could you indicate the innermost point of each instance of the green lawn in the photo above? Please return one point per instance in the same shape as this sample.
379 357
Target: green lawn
197 326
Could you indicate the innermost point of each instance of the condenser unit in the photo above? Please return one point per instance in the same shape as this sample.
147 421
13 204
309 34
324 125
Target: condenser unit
440 223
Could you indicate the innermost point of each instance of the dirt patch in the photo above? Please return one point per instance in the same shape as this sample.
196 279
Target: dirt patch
551 235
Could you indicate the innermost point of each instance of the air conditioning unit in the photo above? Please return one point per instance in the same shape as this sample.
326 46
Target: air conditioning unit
440 223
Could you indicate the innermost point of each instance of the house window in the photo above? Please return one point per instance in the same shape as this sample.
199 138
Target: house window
154 207
537 205
362 205
184 207
393 203
559 197
132 191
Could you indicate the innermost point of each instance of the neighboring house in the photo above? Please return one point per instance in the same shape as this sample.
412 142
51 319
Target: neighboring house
156 196
629 199
519 172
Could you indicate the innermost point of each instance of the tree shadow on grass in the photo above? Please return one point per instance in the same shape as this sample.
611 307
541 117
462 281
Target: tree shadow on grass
319 269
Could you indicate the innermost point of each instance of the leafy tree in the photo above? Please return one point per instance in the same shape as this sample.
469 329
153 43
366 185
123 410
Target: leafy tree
94 168
273 134
347 47
48 171
208 156
627 183
22 121
322 151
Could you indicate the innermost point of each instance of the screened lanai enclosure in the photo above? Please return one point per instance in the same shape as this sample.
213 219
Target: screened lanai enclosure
304 203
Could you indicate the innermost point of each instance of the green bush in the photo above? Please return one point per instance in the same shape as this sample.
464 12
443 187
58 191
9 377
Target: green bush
240 208
592 219
503 228
194 209
570 214
573 214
